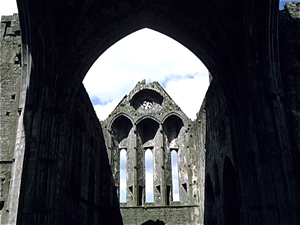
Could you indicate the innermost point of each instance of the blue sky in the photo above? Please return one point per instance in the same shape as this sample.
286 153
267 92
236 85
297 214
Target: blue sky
282 3
147 54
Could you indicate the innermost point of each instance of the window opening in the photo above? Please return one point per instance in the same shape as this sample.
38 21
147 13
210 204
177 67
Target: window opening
175 181
123 182
149 175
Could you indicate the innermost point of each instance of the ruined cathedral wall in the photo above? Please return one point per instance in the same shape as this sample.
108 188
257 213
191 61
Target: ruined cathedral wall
10 81
197 159
289 47
74 166
217 148
165 132
177 215
89 182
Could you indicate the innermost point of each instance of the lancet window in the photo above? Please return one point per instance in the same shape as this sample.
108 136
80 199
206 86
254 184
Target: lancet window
175 181
149 175
123 176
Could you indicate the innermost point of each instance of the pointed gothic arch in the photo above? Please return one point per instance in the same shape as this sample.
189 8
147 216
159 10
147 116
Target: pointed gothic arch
58 55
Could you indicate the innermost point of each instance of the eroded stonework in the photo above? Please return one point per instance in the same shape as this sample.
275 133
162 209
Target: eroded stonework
10 74
244 144
147 118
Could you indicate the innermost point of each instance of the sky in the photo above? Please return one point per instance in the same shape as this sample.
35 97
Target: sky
282 3
147 54
8 7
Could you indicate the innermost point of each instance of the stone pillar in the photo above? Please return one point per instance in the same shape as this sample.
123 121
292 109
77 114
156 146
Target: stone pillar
162 164
110 147
189 170
135 186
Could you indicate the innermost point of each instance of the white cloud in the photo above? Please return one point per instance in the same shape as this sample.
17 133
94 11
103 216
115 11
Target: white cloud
188 93
8 7
103 111
149 55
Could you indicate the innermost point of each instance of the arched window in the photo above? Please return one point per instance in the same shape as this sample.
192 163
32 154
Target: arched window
149 175
175 181
123 180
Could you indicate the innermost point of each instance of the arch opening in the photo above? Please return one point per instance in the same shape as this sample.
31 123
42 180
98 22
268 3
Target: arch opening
147 129
172 127
151 55
121 128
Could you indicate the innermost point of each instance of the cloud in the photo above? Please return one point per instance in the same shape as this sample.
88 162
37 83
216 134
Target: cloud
149 55
8 7
188 93
103 111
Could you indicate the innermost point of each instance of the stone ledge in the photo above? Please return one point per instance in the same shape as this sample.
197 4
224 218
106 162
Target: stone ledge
154 207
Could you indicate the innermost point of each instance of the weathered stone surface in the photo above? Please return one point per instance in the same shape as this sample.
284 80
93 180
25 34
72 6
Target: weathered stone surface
147 118
10 83
70 170
248 164
60 169
168 215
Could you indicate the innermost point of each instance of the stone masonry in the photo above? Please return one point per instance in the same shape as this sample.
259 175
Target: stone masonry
10 75
84 176
147 118
238 161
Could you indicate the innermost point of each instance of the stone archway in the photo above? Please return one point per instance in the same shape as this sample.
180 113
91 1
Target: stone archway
236 40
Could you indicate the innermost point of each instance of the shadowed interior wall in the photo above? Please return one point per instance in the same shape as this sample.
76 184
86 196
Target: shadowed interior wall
289 43
256 112
72 170
217 145
72 176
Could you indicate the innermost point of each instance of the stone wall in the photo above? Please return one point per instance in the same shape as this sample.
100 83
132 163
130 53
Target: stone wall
289 46
68 180
254 167
175 215
162 127
10 75
240 182
198 154
88 184
218 147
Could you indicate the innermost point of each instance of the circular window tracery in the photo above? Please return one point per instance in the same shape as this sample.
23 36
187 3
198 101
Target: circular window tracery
147 104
